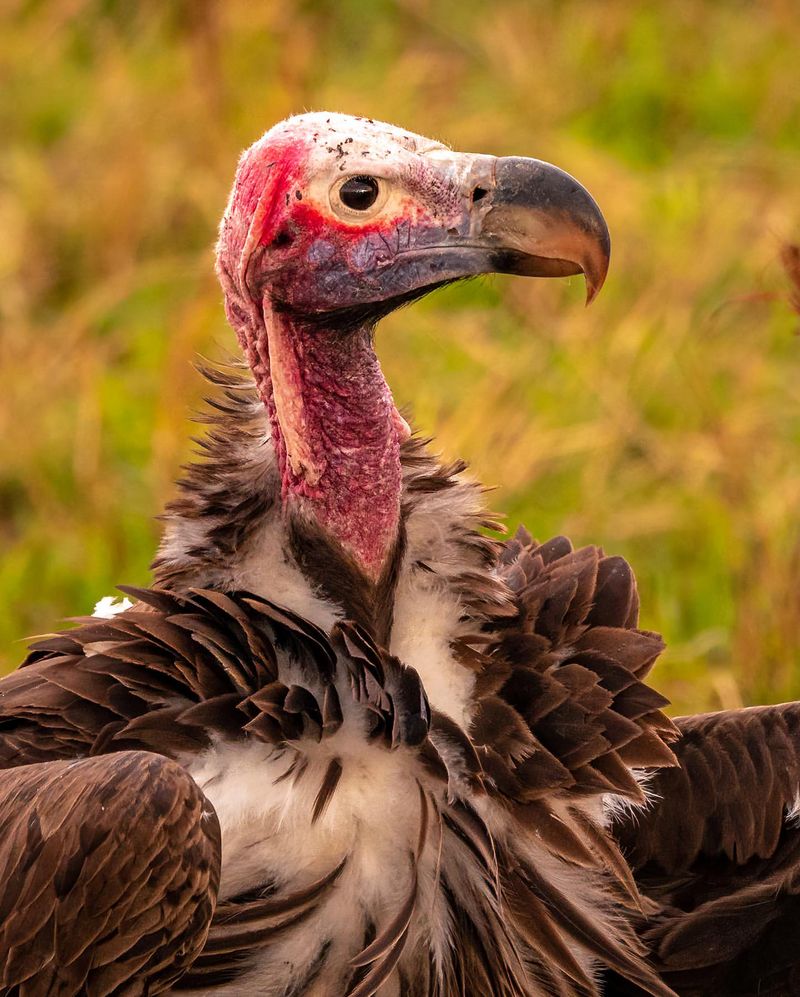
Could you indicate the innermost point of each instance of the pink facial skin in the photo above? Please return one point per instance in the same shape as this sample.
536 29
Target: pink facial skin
336 431
307 276
295 276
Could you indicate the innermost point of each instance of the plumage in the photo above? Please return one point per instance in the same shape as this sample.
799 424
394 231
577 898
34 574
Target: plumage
110 868
718 854
482 818
355 744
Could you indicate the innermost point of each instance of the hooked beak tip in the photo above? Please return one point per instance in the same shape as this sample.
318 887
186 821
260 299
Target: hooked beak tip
595 276
548 224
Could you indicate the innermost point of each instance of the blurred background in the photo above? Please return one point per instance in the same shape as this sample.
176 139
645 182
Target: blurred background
662 423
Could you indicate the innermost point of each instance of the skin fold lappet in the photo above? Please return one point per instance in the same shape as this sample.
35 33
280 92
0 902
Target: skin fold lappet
350 742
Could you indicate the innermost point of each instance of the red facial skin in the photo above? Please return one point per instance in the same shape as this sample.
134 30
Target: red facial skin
305 279
335 428
349 427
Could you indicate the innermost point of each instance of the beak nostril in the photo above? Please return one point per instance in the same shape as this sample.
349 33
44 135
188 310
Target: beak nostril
478 194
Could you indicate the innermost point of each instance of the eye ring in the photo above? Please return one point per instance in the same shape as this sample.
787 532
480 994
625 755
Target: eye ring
359 193
359 197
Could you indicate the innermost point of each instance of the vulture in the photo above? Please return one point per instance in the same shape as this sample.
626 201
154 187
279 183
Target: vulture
349 742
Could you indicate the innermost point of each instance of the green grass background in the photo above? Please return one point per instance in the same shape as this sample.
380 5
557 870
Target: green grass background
662 423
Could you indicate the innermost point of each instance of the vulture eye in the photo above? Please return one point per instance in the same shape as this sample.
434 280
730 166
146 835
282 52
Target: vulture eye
359 193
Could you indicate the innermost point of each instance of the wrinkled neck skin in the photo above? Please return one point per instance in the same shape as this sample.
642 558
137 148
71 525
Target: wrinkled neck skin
335 428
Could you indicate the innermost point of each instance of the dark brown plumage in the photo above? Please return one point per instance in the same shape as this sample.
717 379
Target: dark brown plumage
559 705
718 853
109 870
350 744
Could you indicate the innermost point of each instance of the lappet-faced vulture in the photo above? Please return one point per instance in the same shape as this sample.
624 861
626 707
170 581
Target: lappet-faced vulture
347 744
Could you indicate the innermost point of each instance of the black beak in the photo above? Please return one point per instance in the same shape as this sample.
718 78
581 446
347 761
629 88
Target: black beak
540 222
509 215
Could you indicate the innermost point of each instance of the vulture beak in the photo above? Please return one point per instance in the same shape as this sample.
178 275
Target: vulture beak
436 216
530 218
546 224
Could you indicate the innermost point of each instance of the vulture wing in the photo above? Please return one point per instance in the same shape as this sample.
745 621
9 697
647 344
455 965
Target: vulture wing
109 870
494 828
719 852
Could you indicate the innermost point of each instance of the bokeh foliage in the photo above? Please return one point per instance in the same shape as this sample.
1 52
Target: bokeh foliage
664 422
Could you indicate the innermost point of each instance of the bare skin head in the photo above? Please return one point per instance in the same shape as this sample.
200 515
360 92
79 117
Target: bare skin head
333 222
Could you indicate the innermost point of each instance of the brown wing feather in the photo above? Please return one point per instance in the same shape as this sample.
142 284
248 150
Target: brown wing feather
572 666
739 772
562 715
561 712
719 856
162 677
109 869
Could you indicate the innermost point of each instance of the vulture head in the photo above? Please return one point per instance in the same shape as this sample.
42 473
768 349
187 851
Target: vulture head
334 221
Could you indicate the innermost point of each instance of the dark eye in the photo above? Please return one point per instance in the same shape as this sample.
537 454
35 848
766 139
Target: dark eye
359 193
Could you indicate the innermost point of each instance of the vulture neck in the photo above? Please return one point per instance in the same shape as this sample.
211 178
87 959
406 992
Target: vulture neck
336 432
